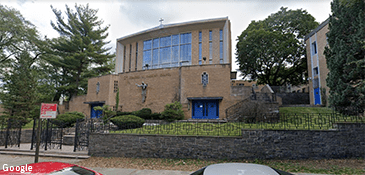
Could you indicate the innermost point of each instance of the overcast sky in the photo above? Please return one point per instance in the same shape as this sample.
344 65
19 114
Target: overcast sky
128 17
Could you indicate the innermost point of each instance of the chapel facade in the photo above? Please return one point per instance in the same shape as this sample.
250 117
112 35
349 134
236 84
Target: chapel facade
188 62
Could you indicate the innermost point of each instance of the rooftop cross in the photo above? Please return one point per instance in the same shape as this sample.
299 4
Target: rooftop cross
161 20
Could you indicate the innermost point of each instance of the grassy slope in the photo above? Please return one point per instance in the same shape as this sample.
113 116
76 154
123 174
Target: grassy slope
305 110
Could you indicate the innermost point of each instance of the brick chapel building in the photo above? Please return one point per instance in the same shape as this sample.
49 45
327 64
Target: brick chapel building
189 62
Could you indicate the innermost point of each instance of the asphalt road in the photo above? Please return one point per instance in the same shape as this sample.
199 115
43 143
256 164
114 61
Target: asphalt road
12 160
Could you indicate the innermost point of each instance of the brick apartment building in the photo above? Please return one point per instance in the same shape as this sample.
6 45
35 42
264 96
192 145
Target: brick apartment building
316 41
189 62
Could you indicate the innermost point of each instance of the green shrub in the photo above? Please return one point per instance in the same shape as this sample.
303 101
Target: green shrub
120 113
67 119
155 116
144 113
172 112
127 121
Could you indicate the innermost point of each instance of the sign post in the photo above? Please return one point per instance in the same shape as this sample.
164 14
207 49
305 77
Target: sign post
48 111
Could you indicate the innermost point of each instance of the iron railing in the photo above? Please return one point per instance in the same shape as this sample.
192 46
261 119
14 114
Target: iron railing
286 121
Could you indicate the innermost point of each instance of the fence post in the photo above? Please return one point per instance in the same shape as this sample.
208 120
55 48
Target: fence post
33 134
76 134
46 139
7 134
19 134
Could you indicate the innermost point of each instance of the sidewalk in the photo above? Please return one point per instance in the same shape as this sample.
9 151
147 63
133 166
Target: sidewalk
15 156
65 152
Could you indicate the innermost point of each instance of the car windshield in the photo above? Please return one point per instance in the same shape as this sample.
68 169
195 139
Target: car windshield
75 170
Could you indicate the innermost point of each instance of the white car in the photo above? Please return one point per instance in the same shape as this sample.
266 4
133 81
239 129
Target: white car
239 169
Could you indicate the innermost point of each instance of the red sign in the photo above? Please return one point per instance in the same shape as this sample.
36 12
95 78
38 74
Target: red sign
48 110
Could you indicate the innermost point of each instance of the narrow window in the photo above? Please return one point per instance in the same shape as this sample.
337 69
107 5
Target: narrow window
115 86
135 67
210 47
221 46
315 71
130 57
314 48
205 79
200 47
97 87
124 59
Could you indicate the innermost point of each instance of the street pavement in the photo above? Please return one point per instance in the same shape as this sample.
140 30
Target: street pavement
16 160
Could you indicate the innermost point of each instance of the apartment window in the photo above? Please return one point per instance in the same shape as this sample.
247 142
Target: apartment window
168 51
115 86
210 47
135 67
314 48
315 71
221 46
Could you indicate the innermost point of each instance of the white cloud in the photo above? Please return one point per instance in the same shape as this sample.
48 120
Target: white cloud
127 17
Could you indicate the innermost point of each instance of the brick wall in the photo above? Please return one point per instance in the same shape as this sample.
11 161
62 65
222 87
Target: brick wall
348 141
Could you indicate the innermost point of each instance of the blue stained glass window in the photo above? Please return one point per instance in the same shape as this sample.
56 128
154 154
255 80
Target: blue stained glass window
147 57
147 45
200 53
155 58
221 51
168 51
185 38
200 36
210 50
221 34
165 55
165 41
175 54
210 35
155 43
185 53
175 39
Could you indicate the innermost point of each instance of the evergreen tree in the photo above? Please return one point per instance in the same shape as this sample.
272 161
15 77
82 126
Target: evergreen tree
272 51
80 52
345 56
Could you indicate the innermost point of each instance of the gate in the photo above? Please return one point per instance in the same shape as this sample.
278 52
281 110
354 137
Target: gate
83 129
10 132
51 136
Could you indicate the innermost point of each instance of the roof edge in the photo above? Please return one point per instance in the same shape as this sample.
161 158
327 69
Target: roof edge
172 25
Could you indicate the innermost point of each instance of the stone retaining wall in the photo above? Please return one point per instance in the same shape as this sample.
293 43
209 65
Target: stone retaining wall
348 141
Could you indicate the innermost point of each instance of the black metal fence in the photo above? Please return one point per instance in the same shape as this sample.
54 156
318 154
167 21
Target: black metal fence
286 121
10 132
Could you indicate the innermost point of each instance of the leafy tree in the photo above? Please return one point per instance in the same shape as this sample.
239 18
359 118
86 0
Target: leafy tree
345 56
20 51
272 51
80 52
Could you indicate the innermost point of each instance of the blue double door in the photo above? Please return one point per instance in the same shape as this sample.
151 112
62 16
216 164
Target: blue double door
317 96
205 109
94 113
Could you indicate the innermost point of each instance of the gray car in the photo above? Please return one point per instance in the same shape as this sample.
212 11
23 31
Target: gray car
239 169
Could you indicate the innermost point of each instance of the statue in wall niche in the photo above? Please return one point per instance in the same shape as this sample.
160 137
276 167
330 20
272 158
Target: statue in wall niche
144 89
